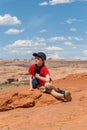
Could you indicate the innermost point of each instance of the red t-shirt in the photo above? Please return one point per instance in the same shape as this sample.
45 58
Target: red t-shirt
43 72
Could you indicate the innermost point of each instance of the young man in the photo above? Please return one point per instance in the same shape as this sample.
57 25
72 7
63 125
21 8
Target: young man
40 78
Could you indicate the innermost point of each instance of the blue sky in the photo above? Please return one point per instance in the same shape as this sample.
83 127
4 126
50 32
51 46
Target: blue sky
56 27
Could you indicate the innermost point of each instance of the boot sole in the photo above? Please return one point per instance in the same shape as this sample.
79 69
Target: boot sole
68 97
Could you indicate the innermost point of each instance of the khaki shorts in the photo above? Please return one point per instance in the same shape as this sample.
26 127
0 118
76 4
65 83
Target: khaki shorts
44 89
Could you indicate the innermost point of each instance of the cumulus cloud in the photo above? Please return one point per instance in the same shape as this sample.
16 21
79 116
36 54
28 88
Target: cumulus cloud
43 31
43 3
7 19
78 38
71 20
53 39
25 46
40 40
54 56
73 29
59 38
62 38
68 43
54 48
24 43
54 2
14 31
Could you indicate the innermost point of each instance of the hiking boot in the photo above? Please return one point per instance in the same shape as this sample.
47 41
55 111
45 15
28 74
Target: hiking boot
67 96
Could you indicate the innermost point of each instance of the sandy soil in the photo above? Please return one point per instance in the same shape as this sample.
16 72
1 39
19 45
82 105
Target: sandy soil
48 113
21 109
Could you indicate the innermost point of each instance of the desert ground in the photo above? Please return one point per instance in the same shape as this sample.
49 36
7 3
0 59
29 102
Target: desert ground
21 109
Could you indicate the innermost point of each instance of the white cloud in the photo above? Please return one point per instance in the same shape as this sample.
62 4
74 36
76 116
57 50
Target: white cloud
54 2
7 19
14 31
73 29
54 48
53 39
62 38
78 39
24 43
25 46
18 44
69 38
40 40
59 38
54 56
68 43
43 3
38 44
43 31
71 20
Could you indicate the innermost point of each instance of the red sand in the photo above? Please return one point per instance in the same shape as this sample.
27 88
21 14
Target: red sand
47 113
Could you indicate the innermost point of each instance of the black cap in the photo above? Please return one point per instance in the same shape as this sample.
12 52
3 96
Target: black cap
40 54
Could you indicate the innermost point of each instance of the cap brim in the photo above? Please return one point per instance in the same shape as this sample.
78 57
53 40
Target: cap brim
35 54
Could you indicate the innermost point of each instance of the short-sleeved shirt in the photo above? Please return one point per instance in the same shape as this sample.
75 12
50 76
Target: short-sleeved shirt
43 72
